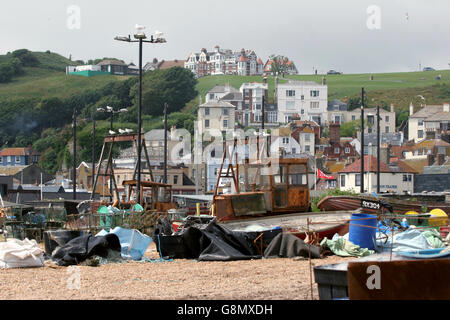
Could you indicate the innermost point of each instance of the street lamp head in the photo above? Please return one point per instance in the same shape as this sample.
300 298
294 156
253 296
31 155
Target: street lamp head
159 36
140 32
109 108
120 38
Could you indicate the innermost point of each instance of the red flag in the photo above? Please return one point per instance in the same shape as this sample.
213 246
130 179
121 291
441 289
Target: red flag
322 175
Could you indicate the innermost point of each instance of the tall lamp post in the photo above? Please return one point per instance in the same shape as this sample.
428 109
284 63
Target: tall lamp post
112 112
74 181
141 38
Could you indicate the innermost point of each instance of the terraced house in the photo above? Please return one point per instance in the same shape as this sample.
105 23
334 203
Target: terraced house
224 61
18 157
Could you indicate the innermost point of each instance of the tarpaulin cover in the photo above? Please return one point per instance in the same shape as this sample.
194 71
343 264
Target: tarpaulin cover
20 254
213 242
133 243
206 242
286 245
81 248
409 240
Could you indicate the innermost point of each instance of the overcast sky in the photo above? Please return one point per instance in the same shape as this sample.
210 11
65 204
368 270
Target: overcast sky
321 34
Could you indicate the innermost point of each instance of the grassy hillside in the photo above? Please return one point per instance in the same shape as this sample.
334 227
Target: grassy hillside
48 79
397 88
44 83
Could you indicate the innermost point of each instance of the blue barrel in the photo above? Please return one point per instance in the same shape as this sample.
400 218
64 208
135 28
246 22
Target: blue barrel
362 231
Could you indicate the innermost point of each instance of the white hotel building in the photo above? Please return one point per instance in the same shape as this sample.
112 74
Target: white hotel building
306 99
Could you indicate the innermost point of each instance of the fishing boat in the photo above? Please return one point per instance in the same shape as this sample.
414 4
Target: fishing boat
333 203
317 225
269 195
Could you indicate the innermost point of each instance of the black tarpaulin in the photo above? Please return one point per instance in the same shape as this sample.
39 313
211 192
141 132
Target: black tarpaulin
81 248
211 242
286 245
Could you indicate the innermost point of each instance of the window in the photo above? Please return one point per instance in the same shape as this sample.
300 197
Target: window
285 140
409 177
357 179
246 105
420 133
175 179
1 159
9 159
302 111
342 180
336 150
405 177
17 159
337 119
225 112
314 105
290 105
314 93
290 93
297 175
307 148
302 97
258 107
307 137
353 118
287 118
387 128
225 123
347 150
294 150
206 123
207 109
387 118
180 153
246 93
420 123
211 96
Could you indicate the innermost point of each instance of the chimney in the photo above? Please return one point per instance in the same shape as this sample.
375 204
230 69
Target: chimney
440 159
385 154
446 107
335 133
411 109
430 159
392 107
324 80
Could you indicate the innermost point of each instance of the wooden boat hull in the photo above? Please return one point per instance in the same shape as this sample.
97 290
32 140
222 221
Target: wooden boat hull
334 203
316 224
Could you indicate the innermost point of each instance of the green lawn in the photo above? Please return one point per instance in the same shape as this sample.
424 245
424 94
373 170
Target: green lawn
397 88
43 83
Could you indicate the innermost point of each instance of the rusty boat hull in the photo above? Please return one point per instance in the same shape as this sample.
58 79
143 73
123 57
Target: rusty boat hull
334 203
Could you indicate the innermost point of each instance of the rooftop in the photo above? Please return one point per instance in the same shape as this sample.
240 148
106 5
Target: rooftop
18 152
355 167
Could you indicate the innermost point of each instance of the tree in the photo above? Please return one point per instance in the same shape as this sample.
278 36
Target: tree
174 86
279 64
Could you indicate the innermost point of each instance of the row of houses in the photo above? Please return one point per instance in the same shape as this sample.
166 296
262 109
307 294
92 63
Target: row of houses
119 67
229 62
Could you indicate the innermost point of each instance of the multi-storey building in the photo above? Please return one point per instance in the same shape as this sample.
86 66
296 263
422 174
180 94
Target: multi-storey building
224 61
429 122
252 100
387 119
304 100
